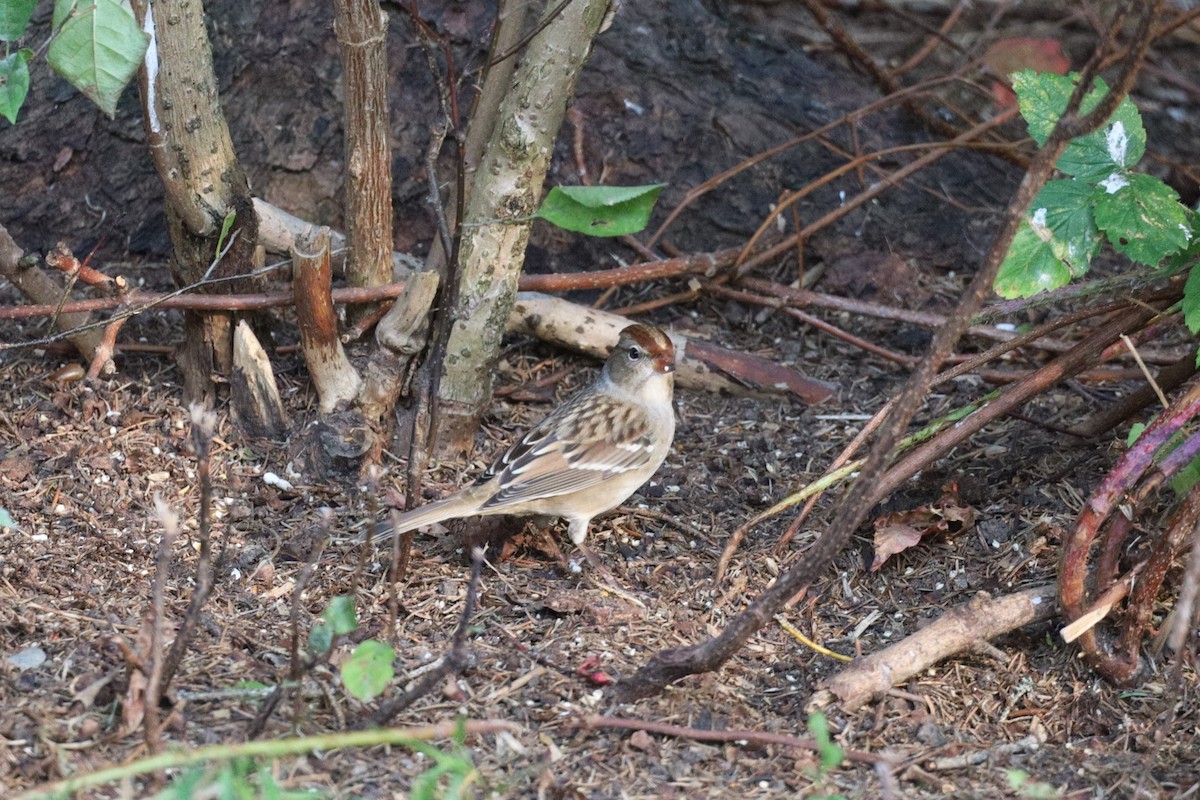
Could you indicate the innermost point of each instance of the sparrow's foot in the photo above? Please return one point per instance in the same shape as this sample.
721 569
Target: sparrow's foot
608 581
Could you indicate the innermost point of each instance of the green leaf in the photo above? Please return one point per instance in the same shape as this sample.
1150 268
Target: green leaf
457 766
320 638
62 10
1191 300
1135 432
831 754
185 786
6 520
1186 478
1064 207
1120 143
368 671
14 83
14 18
1031 265
98 50
226 224
1041 97
340 614
1142 217
600 210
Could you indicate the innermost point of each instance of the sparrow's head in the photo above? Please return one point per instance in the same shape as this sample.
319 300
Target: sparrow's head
642 352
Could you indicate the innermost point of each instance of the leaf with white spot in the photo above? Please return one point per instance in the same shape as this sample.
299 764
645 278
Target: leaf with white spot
1144 220
1030 267
1119 143
1058 242
1074 237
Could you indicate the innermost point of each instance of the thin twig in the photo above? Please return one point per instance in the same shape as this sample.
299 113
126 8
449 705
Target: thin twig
1162 398
454 660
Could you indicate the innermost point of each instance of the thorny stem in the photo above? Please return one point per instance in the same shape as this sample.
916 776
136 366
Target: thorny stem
675 663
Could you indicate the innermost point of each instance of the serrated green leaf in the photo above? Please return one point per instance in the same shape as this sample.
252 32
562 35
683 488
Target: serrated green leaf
1041 96
1031 266
14 83
1120 143
368 671
1064 208
600 210
1142 218
1191 300
98 50
14 18
340 614
1183 260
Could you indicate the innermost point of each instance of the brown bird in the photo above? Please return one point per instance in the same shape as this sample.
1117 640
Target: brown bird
588 455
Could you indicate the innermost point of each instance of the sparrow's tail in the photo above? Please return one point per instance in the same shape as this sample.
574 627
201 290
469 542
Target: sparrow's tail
428 514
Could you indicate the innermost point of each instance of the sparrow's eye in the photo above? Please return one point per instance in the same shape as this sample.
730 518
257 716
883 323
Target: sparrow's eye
635 353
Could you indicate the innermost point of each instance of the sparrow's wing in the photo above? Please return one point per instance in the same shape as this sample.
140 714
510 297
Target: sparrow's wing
590 438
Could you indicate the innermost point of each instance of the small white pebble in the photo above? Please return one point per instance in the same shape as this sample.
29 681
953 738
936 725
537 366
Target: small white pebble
271 479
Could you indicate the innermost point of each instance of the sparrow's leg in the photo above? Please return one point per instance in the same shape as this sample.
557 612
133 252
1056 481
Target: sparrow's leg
609 581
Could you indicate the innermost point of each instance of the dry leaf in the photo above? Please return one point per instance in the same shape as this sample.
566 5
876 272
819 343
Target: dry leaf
895 533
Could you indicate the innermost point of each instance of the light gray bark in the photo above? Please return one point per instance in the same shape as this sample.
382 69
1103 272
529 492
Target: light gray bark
507 186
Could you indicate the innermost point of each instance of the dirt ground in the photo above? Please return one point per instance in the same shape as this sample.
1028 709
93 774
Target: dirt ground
81 466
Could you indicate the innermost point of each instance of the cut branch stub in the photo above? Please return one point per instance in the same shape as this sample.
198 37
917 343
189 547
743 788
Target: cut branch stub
336 380
39 287
256 402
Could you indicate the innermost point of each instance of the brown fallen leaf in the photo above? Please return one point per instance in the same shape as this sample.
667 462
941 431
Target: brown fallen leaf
1007 56
896 532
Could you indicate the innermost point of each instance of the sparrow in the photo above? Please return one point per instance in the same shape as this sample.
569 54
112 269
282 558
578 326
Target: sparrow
587 456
